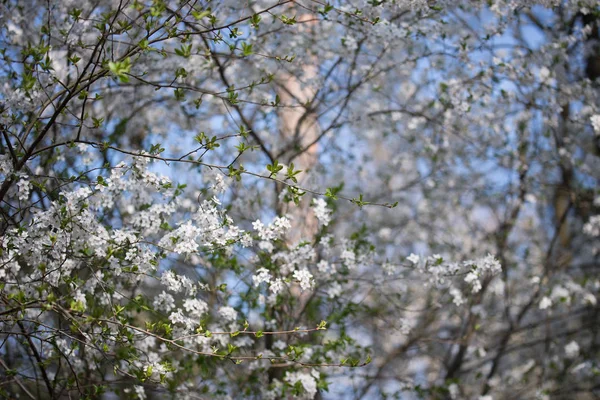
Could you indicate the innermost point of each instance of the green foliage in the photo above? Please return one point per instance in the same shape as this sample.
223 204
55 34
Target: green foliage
121 69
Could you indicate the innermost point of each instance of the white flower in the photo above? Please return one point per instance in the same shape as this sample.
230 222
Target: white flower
349 258
350 43
228 313
561 293
592 227
308 381
176 283
219 186
177 317
246 240
322 213
154 370
279 345
262 275
277 286
389 268
257 225
5 164
304 278
282 224
335 290
323 266
544 74
454 391
491 264
266 246
385 233
413 258
572 349
183 239
195 307
139 391
24 187
457 297
590 299
595 119
276 229
80 298
474 281
164 302
545 303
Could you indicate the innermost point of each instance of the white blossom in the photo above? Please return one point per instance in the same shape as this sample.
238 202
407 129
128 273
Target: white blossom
308 381
195 307
139 392
545 303
228 313
304 278
572 349
413 258
322 213
596 123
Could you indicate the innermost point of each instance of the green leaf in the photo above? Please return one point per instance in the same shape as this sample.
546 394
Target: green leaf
255 20
156 149
325 10
184 51
288 21
97 122
274 168
291 173
329 192
359 201
246 49
120 69
179 94
198 15
77 306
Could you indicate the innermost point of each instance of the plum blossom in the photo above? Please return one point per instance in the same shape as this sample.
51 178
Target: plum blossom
228 313
572 349
24 186
140 392
473 279
457 297
322 213
595 119
304 278
334 290
164 302
413 258
261 275
307 380
545 303
195 307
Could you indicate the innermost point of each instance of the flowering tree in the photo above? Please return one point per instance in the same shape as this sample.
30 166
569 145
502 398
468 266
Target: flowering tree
299 199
